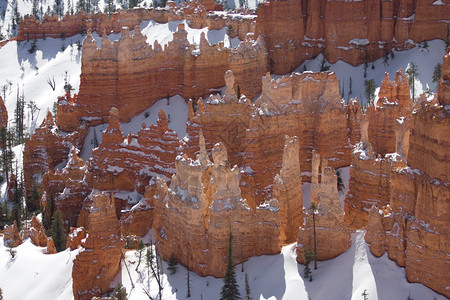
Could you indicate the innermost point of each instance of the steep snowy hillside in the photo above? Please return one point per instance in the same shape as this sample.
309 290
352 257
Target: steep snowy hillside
34 275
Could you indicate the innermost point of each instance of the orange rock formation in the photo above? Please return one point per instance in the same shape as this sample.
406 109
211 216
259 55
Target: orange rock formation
36 232
203 204
3 114
413 228
180 69
332 237
352 31
11 236
98 263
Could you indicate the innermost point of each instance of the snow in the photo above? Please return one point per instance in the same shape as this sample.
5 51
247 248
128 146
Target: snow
31 274
176 111
425 61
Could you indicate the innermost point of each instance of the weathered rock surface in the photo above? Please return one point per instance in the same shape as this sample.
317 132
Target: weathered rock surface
75 237
203 205
332 237
11 236
3 114
36 232
180 69
415 233
43 151
287 190
51 249
96 265
352 31
384 131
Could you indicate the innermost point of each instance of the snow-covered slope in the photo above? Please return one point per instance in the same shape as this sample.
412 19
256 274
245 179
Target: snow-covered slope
34 275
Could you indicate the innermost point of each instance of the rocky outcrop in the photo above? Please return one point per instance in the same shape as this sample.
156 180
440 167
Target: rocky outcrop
11 236
306 105
327 222
287 190
36 232
98 263
351 31
126 165
43 151
69 187
75 237
414 232
3 114
202 206
51 249
180 69
384 131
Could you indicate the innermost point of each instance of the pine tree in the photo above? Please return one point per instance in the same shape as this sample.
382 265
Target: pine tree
247 289
58 232
230 288
7 153
350 86
1 294
48 212
33 198
437 73
412 73
119 292
369 90
139 251
35 10
172 264
308 257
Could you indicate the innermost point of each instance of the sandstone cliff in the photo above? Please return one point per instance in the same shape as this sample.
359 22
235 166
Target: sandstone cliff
202 206
98 263
414 229
327 224
180 68
352 31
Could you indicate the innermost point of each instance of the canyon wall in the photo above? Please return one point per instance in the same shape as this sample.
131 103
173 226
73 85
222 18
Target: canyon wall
351 31
412 228
384 125
98 263
194 215
180 68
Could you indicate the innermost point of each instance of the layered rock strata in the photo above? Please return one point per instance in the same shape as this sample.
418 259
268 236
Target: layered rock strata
351 31
203 205
384 130
180 68
43 151
331 235
414 230
11 235
36 232
98 263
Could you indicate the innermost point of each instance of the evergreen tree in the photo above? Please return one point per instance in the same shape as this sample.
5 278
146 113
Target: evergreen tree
58 232
48 213
172 264
19 128
350 86
369 91
35 9
437 73
230 288
1 294
33 198
58 7
308 257
247 289
7 155
139 251
119 292
412 73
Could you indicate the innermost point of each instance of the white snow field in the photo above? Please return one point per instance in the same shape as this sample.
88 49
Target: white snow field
31 274
35 275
